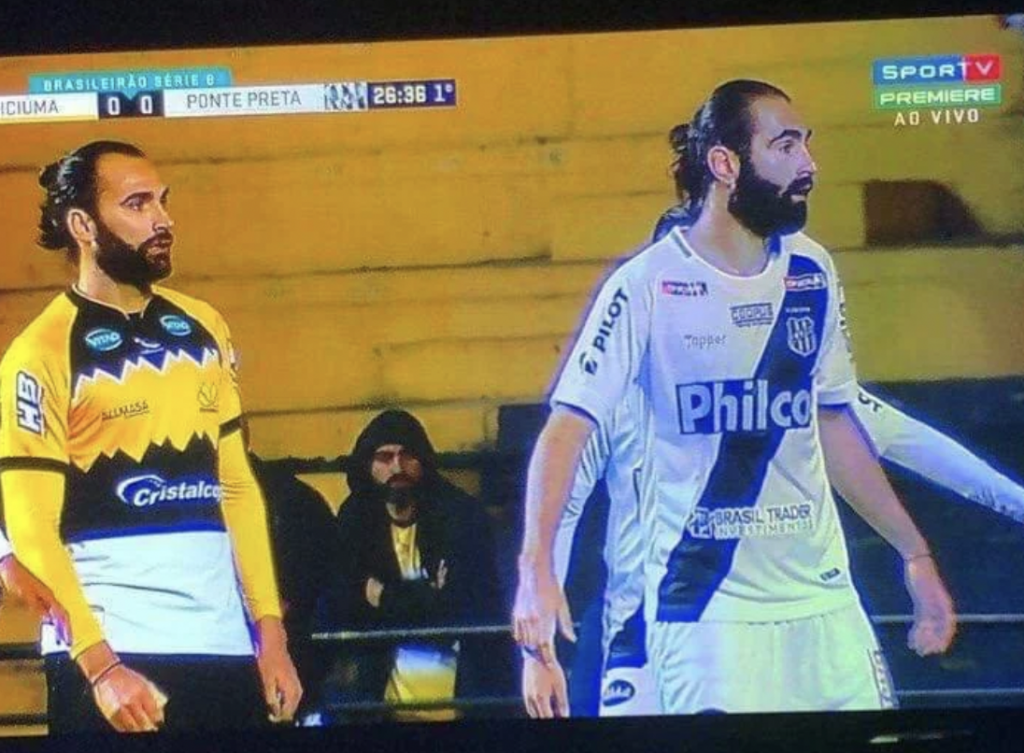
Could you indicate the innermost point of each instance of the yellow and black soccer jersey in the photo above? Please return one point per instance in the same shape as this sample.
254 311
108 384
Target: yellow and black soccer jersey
119 430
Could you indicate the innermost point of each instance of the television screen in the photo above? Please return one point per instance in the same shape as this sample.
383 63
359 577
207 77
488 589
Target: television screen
398 253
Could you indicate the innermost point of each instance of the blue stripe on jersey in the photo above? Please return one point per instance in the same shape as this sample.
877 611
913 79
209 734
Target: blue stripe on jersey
122 533
700 562
628 647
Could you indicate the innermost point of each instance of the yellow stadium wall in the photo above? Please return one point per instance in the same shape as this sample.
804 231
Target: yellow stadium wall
440 260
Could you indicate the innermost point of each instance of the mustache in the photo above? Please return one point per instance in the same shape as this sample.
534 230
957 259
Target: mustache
161 238
399 477
802 186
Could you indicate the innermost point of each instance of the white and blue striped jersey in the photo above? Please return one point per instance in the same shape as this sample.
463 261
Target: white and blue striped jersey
740 522
916 446
614 452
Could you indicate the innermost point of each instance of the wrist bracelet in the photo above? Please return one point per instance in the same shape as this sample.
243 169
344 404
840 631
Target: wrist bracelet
96 680
925 555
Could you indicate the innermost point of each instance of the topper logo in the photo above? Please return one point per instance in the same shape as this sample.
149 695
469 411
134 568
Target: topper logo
937 69
149 489
740 405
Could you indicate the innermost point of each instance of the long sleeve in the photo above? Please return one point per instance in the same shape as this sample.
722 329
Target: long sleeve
912 444
34 459
33 500
246 518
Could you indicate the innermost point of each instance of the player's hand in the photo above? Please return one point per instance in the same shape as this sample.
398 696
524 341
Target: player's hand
281 687
374 589
934 618
19 582
129 701
545 692
540 605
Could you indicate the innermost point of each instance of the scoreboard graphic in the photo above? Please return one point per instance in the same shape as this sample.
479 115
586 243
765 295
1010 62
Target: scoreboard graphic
98 96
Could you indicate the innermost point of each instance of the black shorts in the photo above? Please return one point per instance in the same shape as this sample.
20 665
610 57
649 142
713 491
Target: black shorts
204 693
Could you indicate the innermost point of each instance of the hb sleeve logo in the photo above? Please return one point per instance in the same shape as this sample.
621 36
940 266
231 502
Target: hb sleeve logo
29 402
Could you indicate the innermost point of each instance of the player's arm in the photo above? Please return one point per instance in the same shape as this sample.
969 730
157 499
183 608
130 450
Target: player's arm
918 447
855 473
33 464
593 460
603 362
245 515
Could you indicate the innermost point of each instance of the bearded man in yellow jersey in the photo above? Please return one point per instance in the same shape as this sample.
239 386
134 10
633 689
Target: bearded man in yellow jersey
126 486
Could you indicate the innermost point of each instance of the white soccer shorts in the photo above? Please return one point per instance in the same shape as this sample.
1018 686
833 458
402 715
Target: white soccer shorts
829 662
629 691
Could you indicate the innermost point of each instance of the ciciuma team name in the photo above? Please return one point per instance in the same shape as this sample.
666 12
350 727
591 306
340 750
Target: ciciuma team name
15 107
242 99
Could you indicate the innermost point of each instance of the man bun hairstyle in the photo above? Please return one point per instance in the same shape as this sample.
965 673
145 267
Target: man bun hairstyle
723 120
70 183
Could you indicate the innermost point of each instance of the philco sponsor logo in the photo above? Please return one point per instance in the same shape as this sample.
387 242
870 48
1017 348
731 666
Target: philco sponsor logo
702 342
750 522
687 289
175 325
29 402
801 283
588 361
129 410
752 315
740 405
149 489
103 339
617 693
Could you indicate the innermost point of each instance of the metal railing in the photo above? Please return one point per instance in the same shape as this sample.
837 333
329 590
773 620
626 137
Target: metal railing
30 652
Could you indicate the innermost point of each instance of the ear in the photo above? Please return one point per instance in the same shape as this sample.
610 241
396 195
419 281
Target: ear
724 164
81 226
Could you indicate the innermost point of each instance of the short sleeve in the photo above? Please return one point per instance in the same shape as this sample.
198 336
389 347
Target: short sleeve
836 377
606 356
231 401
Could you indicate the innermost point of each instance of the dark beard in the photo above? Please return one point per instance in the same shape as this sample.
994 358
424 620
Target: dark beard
764 208
401 497
126 264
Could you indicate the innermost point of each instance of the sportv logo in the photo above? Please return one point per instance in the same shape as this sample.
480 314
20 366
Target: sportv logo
937 69
740 405
149 489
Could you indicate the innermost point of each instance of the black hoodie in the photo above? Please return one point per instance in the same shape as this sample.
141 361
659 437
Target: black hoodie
452 527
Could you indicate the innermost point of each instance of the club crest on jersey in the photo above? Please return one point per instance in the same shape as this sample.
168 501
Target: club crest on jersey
29 402
687 289
102 339
208 395
176 325
800 335
801 283
617 693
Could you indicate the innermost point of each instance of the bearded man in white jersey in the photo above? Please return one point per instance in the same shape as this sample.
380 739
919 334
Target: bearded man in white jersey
748 597
613 453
